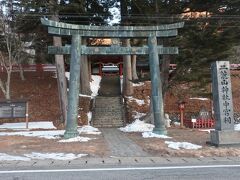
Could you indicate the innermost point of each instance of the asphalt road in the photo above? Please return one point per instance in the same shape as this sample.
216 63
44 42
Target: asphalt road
218 172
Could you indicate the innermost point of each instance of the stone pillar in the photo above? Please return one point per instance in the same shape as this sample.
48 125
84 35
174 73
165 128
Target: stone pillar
156 85
74 84
224 133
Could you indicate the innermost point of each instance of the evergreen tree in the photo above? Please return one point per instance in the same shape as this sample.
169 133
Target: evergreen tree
205 40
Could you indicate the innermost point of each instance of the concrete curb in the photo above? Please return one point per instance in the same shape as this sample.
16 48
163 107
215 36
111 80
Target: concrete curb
118 161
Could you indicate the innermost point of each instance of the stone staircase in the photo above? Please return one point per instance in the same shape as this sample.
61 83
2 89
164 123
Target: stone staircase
108 112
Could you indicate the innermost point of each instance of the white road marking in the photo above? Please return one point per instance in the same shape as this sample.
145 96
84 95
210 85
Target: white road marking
117 169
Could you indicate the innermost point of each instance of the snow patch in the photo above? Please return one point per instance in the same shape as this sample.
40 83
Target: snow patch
89 115
84 95
201 99
137 126
67 75
207 130
138 84
40 134
41 156
140 102
55 156
76 139
95 85
153 135
89 130
138 115
7 157
54 134
177 123
183 145
31 125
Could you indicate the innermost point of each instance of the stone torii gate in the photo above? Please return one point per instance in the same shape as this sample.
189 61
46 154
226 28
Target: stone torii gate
76 49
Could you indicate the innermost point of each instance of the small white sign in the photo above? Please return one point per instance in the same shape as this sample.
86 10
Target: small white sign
194 120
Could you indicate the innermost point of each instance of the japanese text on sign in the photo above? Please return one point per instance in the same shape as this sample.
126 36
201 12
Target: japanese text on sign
225 93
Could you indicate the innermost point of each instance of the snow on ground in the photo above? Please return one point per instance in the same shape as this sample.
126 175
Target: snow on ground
138 84
40 134
7 157
89 130
148 99
76 139
177 123
84 95
67 75
137 126
89 115
55 156
52 134
95 84
40 156
138 115
31 125
197 98
140 102
153 135
183 145
207 130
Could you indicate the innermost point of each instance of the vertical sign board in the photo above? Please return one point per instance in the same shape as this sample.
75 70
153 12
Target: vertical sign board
222 95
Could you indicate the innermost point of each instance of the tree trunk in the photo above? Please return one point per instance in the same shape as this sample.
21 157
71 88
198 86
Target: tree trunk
127 72
134 67
5 87
165 72
21 72
127 67
61 79
84 75
8 84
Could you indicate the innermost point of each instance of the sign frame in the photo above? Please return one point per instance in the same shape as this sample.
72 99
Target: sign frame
12 109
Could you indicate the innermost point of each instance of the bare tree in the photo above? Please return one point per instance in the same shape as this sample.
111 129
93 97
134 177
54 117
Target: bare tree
8 54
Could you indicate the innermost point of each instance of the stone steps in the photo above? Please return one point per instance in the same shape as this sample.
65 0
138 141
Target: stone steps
108 112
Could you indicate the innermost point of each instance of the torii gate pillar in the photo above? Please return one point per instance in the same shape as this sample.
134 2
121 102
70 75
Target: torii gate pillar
74 85
156 87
